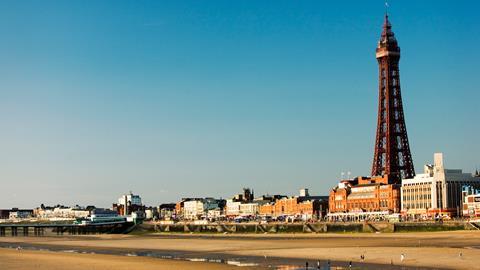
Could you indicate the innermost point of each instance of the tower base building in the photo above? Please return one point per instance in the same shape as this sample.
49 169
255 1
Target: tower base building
364 198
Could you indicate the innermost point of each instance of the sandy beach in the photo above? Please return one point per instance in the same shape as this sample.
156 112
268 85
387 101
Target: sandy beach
444 250
12 259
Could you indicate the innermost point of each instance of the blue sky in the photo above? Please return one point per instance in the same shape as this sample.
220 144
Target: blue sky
201 98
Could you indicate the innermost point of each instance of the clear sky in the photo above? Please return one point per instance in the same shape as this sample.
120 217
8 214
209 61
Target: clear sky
201 98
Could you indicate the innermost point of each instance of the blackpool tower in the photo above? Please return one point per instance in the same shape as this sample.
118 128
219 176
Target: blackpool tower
392 152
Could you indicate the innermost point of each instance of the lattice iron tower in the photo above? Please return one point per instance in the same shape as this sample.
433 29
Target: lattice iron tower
392 151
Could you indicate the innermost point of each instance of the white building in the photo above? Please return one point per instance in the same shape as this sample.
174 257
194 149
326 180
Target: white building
249 209
130 198
471 201
234 208
61 212
471 206
438 191
304 192
20 214
198 209
129 203
215 213
150 214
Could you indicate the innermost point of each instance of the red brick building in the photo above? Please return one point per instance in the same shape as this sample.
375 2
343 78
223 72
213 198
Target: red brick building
365 194
308 207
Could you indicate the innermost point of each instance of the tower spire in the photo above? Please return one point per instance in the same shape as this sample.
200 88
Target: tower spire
392 151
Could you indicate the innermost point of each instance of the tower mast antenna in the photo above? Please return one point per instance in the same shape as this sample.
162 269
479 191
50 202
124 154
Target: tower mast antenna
386 7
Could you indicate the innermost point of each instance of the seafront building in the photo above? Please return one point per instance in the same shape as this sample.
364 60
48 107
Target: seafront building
471 201
436 192
215 214
128 204
16 213
241 204
238 208
179 206
245 206
199 208
62 212
166 211
304 207
151 213
364 197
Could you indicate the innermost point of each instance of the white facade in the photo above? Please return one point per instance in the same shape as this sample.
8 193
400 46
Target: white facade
62 213
215 213
471 206
192 209
234 208
249 209
304 192
196 209
149 214
19 214
436 191
130 198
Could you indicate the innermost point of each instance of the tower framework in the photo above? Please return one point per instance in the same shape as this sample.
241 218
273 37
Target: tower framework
392 151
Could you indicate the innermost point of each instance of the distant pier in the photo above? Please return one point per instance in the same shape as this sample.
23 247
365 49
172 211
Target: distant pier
36 229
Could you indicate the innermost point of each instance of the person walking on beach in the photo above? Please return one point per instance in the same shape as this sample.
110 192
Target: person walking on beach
350 264
306 265
318 264
402 257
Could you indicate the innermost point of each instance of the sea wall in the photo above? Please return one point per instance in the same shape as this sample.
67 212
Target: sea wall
431 226
320 227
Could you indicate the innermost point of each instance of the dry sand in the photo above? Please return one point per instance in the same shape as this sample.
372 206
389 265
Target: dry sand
12 259
438 250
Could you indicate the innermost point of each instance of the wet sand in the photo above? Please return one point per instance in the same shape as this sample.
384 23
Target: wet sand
440 250
12 259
